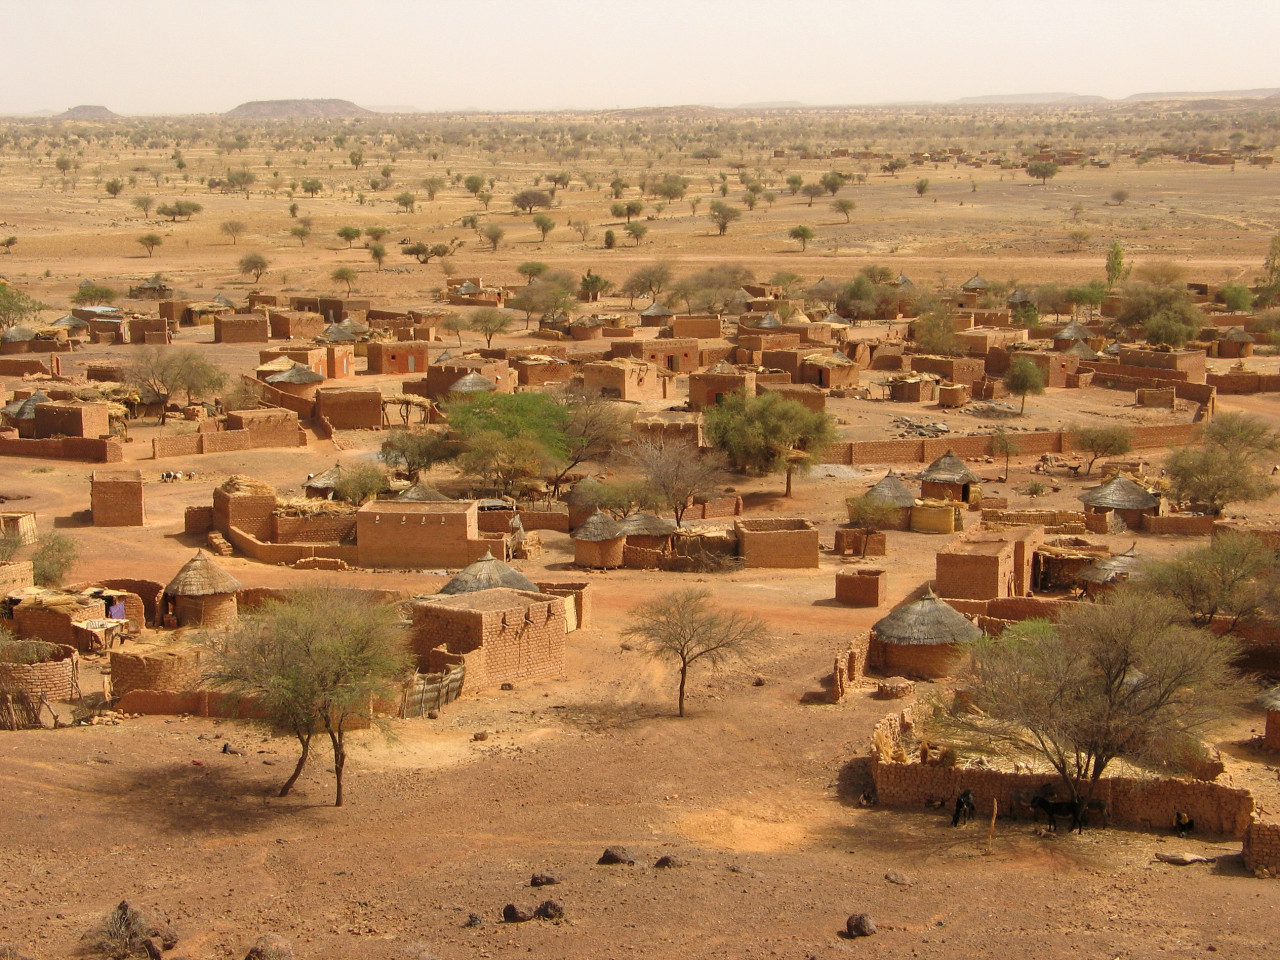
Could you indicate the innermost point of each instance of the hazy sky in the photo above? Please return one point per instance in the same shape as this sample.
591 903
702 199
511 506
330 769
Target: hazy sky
176 56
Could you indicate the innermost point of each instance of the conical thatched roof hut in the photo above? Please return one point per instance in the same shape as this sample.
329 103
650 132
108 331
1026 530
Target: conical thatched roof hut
947 478
891 490
975 284
924 638
1120 493
488 573
25 409
324 484
1082 350
657 309
18 334
473 383
422 492
598 542
1075 330
202 593
768 321
1121 568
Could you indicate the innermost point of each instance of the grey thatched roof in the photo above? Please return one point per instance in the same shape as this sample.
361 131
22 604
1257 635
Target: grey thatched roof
721 368
1075 330
201 577
486 574
769 321
974 283
647 525
423 493
1021 295
1236 335
1082 350
902 280
335 333
25 409
1123 566
326 480
298 373
70 323
17 334
657 309
892 491
598 527
949 468
466 288
1120 493
473 383
926 621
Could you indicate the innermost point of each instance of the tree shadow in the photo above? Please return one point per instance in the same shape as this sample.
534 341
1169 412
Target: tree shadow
221 795
762 498
76 519
821 695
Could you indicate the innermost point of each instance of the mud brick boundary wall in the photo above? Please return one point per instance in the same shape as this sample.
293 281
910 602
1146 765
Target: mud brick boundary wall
1031 443
63 448
1144 804
1262 847
176 671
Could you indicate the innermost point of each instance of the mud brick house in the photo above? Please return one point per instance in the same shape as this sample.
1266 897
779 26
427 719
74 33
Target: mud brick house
535 371
267 427
777 542
925 639
1234 343
947 478
241 328
966 370
407 356
656 315
599 542
402 534
980 570
696 326
894 497
295 381
677 356
979 340
116 498
1124 498
350 408
441 377
20 524
501 635
828 371
913 388
710 387
150 331
1190 363
805 394
630 380
861 587
73 619
69 418
294 324
269 360
202 594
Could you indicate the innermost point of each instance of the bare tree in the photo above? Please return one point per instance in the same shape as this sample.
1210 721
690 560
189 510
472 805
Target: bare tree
676 470
683 627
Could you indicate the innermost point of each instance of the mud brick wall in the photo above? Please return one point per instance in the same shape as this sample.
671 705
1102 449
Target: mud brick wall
640 558
350 409
1262 847
63 448
79 420
964 370
15 574
717 509
1184 525
859 543
537 373
974 576
695 327
143 597
578 598
861 587
55 625
389 543
186 445
319 528
1268 535
916 661
806 394
599 554
777 543
21 366
519 643
197 520
1104 370
289 552
175 670
241 328
249 512
557 520
117 502
52 679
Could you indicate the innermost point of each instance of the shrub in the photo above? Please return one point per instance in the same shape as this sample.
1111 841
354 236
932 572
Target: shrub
54 556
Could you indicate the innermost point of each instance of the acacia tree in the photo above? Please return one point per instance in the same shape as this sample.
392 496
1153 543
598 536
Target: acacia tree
802 235
232 229
166 371
254 265
722 214
1004 445
1113 441
677 472
1227 467
414 451
1024 377
314 661
489 322
144 203
349 234
544 224
344 275
844 206
150 241
768 433
1042 170
682 627
17 307
1234 576
1121 679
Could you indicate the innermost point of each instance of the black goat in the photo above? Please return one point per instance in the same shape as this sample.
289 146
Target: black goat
965 809
1053 809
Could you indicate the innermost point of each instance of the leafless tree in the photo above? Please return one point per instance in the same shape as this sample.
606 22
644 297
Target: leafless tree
676 470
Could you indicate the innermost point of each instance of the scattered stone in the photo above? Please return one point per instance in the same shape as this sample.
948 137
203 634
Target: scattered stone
860 925
507 686
513 914
549 910
616 855
669 862
758 682
543 880
901 879
433 714
480 735
473 920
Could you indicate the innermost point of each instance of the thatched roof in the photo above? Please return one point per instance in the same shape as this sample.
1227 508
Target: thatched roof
892 491
1120 493
1082 350
239 483
486 574
1236 335
949 468
17 334
647 525
327 480
902 280
70 323
298 373
25 409
334 333
466 288
927 621
1075 330
473 383
722 368
1123 566
768 321
657 309
597 528
974 284
1021 295
201 577
421 492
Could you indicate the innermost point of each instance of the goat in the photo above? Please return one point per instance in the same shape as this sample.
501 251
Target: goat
965 808
1061 808
1182 823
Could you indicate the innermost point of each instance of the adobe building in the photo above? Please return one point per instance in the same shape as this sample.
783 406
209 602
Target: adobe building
150 331
925 640
657 314
947 478
1234 343
966 370
894 496
403 356
272 359
71 418
1191 363
1124 498
828 372
441 376
913 388
722 380
976 570
696 326
677 356
621 379
980 340
297 381
861 587
783 542
540 371
350 408
241 328
268 427
294 324
339 361
403 534
599 542
116 498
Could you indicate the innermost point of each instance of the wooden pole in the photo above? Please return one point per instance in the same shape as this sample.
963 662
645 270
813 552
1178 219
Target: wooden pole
991 832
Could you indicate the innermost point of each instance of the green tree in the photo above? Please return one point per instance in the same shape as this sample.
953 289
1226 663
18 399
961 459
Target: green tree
582 228
504 462
921 186
344 275
311 187
1120 679
767 433
794 183
812 191
1042 170
544 224
1234 576
802 235
682 627
528 200
592 286
833 181
1024 377
301 231
474 184
179 208
360 483
52 559
376 234
416 451
378 254
425 253
636 231
722 214
349 234
406 201
1101 441
1237 297
144 203
433 185
232 229
1171 327
489 322
315 661
531 270
1118 197
934 330
844 206
90 294
166 371
150 241
114 187
9 243
492 233
454 323
627 210
17 307
253 265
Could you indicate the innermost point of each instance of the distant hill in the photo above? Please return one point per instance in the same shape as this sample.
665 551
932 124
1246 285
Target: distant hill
87 112
998 98
1258 93
297 110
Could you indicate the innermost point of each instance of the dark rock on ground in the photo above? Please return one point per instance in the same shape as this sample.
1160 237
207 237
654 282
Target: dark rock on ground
616 855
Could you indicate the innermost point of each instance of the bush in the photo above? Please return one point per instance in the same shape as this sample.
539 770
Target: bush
27 651
54 556
610 239
10 541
